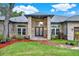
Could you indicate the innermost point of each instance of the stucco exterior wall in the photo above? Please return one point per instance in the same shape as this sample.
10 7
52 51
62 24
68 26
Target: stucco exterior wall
70 30
63 28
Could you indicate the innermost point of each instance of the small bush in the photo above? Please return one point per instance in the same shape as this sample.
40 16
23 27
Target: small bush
8 39
1 36
71 43
54 37
5 40
19 37
2 41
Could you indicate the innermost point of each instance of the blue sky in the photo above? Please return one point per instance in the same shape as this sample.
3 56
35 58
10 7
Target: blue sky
64 9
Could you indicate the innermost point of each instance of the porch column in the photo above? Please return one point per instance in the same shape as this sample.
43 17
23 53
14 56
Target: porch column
49 28
29 27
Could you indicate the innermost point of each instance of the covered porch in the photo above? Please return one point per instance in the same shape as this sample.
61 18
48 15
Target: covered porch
39 27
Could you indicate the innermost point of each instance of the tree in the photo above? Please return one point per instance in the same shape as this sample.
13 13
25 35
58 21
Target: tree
7 17
14 14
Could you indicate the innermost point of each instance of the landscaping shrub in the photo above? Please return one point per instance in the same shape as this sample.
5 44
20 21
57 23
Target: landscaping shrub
71 42
8 39
1 36
19 37
54 37
2 41
5 40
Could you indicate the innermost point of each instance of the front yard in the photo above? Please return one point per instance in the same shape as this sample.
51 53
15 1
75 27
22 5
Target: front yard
62 41
36 49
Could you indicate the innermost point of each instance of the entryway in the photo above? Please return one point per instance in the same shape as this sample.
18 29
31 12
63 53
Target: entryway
39 31
76 33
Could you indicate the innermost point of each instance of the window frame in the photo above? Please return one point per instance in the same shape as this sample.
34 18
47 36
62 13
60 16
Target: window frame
22 29
55 29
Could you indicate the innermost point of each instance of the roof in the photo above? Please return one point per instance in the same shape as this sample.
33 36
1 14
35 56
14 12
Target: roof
15 19
55 19
19 19
73 18
58 19
39 14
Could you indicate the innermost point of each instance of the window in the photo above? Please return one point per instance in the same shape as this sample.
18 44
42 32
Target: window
55 31
21 30
24 31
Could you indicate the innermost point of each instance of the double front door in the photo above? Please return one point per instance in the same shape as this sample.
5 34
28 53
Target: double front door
39 31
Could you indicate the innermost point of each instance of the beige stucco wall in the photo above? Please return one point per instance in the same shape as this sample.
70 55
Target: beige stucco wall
63 28
70 30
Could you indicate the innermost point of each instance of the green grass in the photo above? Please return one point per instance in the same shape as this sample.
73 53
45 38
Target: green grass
36 49
62 41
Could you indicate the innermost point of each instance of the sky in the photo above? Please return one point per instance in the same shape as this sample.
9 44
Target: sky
63 9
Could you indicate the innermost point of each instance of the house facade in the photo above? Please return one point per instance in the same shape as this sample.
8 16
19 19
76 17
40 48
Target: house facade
42 26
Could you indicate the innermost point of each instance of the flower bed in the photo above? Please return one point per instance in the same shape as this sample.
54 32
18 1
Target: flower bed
13 41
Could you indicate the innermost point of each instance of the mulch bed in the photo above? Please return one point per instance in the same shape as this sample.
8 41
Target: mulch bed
13 41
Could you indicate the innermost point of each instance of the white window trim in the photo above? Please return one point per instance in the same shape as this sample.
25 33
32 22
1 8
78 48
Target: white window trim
55 30
21 29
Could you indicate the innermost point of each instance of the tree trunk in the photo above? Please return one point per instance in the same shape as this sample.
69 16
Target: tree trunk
6 24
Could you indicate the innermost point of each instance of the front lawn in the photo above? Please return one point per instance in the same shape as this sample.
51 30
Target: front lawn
36 49
62 41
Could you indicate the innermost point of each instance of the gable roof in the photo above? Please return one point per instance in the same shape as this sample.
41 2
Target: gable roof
15 19
73 18
58 19
55 19
19 19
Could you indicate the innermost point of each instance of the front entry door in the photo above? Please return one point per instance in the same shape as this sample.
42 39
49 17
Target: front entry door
39 31
76 33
